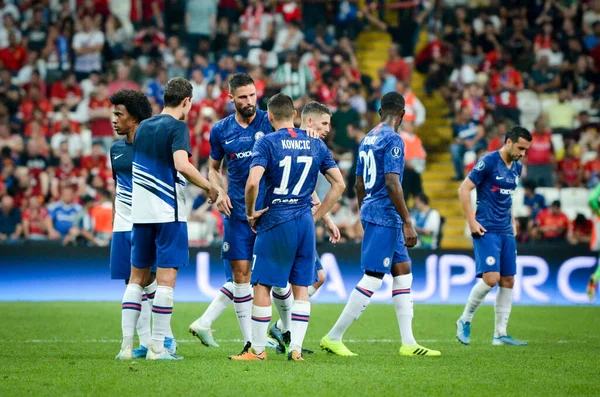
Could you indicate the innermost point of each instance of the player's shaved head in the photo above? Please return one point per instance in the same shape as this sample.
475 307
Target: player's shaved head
313 109
392 104
281 107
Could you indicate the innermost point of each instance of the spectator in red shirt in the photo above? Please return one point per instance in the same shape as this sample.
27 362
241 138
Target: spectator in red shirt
122 82
504 85
14 56
100 113
552 224
396 65
38 120
96 162
543 40
580 230
569 170
64 114
66 174
200 137
34 100
66 92
34 225
540 156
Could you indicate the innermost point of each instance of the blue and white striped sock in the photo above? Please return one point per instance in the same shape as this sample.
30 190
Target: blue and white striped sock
300 317
130 312
162 310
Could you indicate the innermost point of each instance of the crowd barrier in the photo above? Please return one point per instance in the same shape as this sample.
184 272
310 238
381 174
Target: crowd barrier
554 275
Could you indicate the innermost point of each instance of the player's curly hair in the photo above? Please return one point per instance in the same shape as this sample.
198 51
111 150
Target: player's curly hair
136 103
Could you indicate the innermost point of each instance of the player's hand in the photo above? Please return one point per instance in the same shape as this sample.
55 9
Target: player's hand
410 234
253 220
312 133
333 230
476 228
224 204
213 195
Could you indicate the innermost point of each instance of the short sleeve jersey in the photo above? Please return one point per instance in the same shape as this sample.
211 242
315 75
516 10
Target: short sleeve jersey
380 152
496 184
121 158
157 193
292 162
233 142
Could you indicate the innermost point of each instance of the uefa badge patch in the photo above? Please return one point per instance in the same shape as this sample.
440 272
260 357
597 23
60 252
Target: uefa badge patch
386 262
258 135
480 165
225 246
490 260
396 152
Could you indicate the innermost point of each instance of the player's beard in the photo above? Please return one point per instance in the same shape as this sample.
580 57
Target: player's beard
246 112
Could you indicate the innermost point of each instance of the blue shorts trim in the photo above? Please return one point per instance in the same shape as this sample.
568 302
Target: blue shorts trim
285 253
238 240
495 253
163 244
381 248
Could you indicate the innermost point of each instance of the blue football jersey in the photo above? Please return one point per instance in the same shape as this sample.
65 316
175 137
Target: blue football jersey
495 185
292 162
121 158
230 140
380 152
157 193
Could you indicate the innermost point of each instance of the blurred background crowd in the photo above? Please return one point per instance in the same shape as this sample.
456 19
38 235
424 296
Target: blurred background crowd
492 63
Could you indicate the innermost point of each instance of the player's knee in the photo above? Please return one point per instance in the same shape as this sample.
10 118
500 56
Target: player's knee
165 277
491 278
400 269
507 281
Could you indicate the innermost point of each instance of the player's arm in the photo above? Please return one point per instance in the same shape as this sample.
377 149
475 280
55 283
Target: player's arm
215 162
252 186
183 165
396 193
361 193
336 180
593 200
332 229
464 195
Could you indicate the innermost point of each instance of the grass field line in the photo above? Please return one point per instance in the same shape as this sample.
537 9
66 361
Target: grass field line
32 341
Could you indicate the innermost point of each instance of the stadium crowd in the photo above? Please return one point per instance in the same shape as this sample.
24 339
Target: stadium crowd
495 63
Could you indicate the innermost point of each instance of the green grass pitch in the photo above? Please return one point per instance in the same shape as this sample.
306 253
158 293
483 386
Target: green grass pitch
68 349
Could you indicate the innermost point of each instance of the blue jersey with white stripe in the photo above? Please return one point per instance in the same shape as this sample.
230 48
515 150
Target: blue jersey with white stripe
380 152
228 139
292 162
121 157
157 186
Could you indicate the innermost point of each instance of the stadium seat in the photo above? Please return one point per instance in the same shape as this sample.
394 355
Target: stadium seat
549 193
575 201
530 108
558 143
519 208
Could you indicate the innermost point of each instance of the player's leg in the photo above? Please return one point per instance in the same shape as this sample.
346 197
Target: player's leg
403 303
274 253
503 304
487 249
171 241
594 247
237 248
301 277
376 255
321 278
143 328
132 298
201 328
